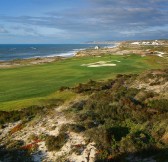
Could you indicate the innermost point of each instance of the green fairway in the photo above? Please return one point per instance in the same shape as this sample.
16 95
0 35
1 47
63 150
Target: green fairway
25 86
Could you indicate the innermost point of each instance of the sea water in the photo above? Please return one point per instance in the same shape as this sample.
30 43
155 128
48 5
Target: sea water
23 51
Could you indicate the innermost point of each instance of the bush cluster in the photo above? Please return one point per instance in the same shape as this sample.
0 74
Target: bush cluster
55 143
117 117
26 113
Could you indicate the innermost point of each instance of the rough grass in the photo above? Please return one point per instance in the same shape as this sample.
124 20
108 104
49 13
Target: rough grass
25 86
38 101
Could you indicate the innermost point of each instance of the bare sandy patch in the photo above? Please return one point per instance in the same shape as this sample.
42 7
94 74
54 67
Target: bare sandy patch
77 148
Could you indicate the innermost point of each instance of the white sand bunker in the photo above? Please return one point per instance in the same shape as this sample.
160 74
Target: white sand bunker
160 54
99 64
116 61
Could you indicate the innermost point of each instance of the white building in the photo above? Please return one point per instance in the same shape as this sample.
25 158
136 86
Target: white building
135 43
155 43
96 47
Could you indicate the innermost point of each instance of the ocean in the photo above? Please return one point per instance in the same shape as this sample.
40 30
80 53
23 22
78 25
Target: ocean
23 51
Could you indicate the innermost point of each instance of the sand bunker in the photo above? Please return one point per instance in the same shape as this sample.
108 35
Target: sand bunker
116 61
160 54
100 64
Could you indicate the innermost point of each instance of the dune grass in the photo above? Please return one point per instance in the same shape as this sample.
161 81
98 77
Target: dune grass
25 86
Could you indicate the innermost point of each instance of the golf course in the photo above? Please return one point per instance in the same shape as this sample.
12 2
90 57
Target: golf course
24 86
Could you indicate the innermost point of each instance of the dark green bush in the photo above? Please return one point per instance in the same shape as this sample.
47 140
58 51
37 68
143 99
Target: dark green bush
117 133
137 141
76 128
78 105
12 154
55 143
160 105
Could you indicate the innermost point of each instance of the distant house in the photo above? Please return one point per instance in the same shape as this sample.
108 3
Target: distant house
145 43
97 47
135 43
155 43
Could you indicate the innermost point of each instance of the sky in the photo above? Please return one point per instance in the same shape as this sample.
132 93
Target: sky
79 21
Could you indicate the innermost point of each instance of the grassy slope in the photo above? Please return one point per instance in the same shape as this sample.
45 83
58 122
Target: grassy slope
24 86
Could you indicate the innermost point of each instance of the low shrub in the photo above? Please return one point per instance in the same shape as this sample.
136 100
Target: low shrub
13 154
76 128
16 129
78 105
160 105
55 143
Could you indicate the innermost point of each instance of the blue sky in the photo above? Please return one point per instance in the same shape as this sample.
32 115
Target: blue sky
76 21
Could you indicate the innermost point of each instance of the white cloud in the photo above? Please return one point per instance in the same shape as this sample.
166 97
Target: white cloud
101 19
